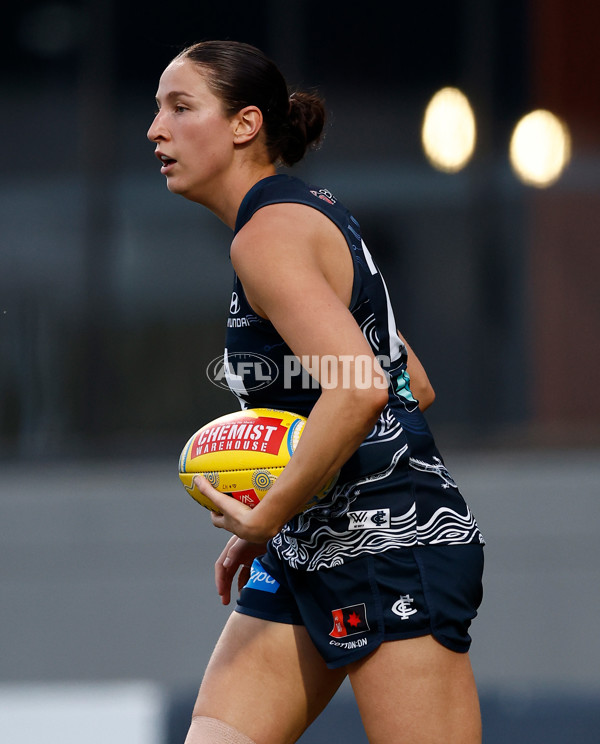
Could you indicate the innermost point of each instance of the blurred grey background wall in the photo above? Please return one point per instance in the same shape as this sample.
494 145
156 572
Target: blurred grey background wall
113 297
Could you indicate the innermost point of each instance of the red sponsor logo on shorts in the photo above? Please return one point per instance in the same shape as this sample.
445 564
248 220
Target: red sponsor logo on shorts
262 434
349 621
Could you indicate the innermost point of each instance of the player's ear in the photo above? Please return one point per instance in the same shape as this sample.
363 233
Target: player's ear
247 123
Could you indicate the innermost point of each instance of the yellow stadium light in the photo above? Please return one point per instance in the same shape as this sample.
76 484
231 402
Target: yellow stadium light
449 131
540 148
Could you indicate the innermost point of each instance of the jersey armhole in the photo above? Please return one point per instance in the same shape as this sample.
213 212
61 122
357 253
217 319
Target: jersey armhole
355 283
355 274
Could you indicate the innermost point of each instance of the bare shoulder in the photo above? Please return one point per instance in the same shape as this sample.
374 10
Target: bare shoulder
283 240
275 229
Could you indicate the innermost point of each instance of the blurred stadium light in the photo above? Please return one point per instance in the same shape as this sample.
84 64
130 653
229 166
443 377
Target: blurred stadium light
449 130
540 148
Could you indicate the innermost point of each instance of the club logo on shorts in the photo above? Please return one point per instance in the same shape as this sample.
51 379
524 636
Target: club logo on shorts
403 607
369 519
349 621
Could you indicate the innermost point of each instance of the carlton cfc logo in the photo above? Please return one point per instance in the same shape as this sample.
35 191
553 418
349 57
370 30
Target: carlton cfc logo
349 621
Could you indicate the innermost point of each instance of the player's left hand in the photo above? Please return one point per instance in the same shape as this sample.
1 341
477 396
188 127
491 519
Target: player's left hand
237 554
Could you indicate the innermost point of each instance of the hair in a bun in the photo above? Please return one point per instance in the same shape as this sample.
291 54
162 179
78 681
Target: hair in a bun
304 127
241 75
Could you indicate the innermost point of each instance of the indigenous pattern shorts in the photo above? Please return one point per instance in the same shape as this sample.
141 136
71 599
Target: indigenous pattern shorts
349 610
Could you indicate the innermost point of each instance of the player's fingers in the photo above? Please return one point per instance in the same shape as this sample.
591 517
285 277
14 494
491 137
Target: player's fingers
225 552
230 511
243 577
223 580
237 553
218 520
226 566
201 484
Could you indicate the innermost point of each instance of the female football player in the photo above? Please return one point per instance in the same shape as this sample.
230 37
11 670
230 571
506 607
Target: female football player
380 580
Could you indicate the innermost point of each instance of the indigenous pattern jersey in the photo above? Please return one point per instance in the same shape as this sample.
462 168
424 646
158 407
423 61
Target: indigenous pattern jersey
395 491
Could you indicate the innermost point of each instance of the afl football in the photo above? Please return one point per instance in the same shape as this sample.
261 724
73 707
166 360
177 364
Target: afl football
242 454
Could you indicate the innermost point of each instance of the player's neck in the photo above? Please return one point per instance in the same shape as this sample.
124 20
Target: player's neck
225 201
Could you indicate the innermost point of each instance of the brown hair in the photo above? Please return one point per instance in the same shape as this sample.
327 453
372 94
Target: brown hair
241 75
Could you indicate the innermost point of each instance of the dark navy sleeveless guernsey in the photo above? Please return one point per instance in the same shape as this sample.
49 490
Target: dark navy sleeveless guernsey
395 490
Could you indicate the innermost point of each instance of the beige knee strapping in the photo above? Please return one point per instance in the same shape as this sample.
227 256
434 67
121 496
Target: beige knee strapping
206 730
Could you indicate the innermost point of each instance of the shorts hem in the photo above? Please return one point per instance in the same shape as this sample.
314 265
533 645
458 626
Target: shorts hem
459 648
362 653
366 650
267 616
451 645
354 656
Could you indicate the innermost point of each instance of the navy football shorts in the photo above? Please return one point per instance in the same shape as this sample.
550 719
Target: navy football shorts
350 610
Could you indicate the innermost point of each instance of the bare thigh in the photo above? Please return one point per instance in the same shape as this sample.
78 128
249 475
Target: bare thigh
417 691
266 679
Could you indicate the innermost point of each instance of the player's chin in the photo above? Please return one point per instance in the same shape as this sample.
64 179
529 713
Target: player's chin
175 186
181 189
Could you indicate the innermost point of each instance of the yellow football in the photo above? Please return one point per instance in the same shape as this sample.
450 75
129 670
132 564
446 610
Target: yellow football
242 454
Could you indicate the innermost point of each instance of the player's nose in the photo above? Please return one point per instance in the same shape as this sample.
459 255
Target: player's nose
157 130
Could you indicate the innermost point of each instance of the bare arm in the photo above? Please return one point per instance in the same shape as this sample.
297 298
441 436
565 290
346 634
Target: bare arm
420 385
278 257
